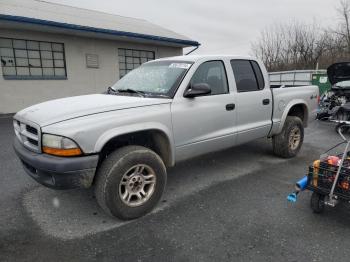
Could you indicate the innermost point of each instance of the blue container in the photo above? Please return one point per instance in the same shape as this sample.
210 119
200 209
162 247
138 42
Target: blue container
301 184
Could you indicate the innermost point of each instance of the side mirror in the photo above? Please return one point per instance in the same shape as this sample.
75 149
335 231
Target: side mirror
199 89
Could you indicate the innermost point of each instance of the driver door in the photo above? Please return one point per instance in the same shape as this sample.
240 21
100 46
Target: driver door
205 123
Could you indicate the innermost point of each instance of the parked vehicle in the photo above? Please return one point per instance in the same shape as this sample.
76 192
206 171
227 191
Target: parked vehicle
335 104
166 111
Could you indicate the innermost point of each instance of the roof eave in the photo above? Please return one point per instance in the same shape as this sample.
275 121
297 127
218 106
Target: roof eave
110 32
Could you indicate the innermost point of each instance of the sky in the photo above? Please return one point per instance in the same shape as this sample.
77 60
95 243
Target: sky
221 26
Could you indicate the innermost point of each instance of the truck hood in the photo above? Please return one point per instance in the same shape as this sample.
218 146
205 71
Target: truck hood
338 72
59 110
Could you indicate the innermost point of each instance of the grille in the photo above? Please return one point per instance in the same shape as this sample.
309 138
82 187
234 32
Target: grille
32 130
28 134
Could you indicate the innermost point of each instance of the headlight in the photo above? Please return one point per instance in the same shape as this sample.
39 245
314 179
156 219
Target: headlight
59 146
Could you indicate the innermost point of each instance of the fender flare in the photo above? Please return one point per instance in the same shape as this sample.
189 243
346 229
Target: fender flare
124 130
287 110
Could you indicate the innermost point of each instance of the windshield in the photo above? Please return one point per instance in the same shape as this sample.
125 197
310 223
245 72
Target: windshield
154 78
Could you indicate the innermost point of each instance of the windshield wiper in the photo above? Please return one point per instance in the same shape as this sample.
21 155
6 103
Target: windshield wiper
110 90
161 95
129 90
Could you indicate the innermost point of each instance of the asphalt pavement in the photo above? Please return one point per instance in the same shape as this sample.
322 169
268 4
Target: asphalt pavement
225 206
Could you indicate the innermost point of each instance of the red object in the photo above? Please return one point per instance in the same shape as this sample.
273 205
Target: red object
345 185
333 160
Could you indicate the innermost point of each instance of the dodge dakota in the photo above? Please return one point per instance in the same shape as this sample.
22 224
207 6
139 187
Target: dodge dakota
168 110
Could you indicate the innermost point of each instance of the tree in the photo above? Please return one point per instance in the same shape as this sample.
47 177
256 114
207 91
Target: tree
295 45
290 46
344 27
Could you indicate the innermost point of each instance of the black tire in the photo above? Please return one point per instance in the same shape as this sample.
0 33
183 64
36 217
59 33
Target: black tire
317 202
111 172
341 115
322 116
344 128
280 143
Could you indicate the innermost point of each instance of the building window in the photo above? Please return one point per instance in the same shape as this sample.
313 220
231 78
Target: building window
130 59
27 59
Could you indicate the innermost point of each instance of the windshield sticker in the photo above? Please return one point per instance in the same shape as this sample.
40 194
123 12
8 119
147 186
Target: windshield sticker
180 65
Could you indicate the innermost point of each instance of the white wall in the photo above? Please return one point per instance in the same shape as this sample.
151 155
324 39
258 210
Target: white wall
18 94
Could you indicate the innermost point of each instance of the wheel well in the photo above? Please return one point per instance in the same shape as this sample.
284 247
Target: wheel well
299 110
153 139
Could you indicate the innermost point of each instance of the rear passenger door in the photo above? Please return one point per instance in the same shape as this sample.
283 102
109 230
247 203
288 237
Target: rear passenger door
253 99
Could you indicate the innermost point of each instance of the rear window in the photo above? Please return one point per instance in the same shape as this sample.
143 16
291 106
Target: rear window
248 75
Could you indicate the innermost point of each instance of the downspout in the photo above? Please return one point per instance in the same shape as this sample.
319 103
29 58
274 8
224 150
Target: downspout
194 49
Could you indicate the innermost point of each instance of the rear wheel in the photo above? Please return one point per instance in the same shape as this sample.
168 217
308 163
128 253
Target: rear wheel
288 143
130 182
317 202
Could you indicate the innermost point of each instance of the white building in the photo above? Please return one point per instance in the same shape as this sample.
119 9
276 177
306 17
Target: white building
51 51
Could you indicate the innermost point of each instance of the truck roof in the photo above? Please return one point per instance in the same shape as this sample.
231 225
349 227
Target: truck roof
195 58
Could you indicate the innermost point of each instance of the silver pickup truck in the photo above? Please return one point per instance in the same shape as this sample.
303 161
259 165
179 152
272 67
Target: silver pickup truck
165 111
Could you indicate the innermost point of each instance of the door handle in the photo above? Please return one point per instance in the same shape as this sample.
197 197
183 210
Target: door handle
266 101
230 107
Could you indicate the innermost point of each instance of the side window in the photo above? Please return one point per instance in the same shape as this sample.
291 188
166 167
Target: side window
244 76
258 74
212 73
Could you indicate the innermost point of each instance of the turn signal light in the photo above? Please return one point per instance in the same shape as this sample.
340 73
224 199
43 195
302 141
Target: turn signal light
62 152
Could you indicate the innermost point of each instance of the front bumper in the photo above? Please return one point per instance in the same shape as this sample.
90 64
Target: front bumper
57 172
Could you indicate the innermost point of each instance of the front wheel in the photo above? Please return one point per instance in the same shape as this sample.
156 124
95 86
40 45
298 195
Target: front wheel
288 143
130 182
